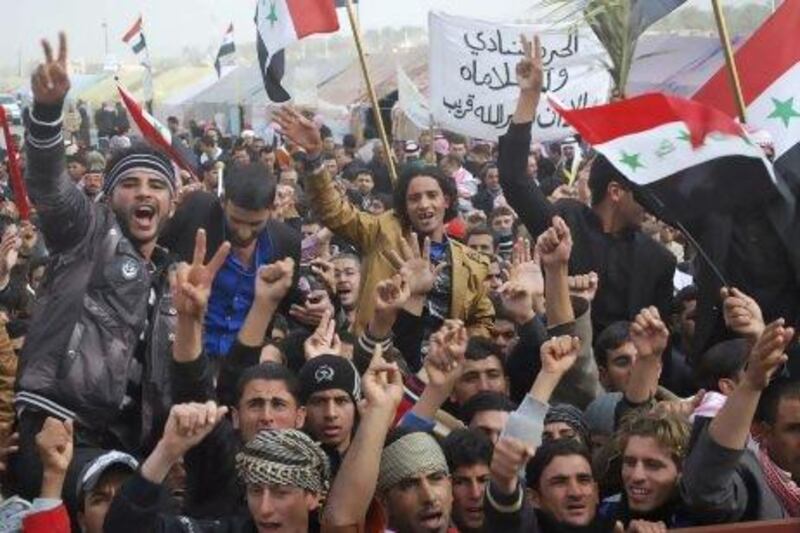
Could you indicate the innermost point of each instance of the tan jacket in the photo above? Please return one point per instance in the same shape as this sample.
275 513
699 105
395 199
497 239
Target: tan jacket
375 235
8 373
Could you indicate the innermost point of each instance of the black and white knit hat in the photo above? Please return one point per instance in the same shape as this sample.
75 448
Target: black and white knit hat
327 372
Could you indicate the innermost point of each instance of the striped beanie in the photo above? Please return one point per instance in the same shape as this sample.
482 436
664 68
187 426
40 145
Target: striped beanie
136 161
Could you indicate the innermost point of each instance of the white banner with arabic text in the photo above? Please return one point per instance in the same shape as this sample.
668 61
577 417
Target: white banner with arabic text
473 81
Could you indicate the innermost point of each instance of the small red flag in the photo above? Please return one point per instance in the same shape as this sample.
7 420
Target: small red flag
17 183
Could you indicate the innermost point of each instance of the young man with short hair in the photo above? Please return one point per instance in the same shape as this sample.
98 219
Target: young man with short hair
483 371
330 388
469 454
245 219
487 412
347 270
615 355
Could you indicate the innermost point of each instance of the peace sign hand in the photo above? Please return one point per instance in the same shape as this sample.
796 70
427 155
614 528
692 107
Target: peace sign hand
529 68
50 82
191 284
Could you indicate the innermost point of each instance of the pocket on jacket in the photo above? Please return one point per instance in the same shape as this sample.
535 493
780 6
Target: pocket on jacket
94 371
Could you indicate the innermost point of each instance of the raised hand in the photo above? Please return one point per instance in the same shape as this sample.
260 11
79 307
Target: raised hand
584 285
318 302
382 384
446 350
391 294
50 81
54 444
415 265
555 244
273 281
9 253
767 355
191 285
742 314
299 129
558 354
187 425
648 333
529 68
324 340
525 269
509 456
325 270
518 301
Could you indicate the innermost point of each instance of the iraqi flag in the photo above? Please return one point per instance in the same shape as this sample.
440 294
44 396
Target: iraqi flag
686 157
280 23
135 39
769 70
226 50
154 132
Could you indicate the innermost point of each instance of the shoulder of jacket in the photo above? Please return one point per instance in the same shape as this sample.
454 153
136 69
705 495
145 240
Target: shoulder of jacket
471 255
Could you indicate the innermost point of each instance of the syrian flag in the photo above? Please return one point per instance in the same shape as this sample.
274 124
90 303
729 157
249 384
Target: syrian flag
153 131
135 39
769 70
280 23
226 50
686 157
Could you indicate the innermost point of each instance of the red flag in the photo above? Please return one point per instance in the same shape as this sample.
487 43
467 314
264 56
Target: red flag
152 130
17 183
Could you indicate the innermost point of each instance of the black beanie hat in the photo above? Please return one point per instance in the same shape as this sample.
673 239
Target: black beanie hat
327 372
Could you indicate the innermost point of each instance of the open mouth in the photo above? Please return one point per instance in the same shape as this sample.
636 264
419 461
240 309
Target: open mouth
269 526
426 217
331 431
144 214
638 493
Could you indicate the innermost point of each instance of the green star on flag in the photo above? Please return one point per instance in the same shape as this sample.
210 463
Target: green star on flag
784 110
632 160
273 15
684 136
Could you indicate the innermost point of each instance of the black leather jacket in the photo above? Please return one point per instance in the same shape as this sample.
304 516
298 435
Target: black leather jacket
92 306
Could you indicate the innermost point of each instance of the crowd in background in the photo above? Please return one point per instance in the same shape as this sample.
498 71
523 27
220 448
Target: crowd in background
288 339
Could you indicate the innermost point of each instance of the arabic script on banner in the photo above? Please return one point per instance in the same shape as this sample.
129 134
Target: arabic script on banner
473 81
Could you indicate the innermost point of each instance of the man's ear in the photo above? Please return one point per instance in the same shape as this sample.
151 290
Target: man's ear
726 386
312 501
615 191
300 418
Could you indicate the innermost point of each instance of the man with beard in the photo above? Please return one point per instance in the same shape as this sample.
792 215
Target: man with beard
98 348
245 219
635 271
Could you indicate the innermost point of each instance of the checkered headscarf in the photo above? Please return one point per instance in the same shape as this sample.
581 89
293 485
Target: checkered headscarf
284 457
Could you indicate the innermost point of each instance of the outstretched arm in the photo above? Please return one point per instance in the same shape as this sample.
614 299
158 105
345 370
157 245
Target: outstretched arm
354 486
64 211
333 209
522 194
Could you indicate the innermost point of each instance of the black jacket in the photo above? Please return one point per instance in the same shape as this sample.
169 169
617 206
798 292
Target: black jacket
202 209
92 306
138 507
651 269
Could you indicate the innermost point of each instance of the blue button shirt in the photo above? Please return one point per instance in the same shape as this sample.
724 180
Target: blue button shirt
232 295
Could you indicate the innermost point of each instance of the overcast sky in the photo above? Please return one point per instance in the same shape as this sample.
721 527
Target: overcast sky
172 24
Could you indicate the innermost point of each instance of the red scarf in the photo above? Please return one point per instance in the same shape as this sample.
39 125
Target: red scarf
780 482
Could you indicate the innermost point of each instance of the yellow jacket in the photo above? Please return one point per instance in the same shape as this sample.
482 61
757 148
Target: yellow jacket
375 235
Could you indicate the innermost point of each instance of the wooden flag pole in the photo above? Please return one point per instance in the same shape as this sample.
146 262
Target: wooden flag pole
730 60
376 111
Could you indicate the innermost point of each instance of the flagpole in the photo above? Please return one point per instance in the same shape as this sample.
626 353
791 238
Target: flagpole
730 60
376 112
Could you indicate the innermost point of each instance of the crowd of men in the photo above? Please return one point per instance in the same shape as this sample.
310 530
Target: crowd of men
288 340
